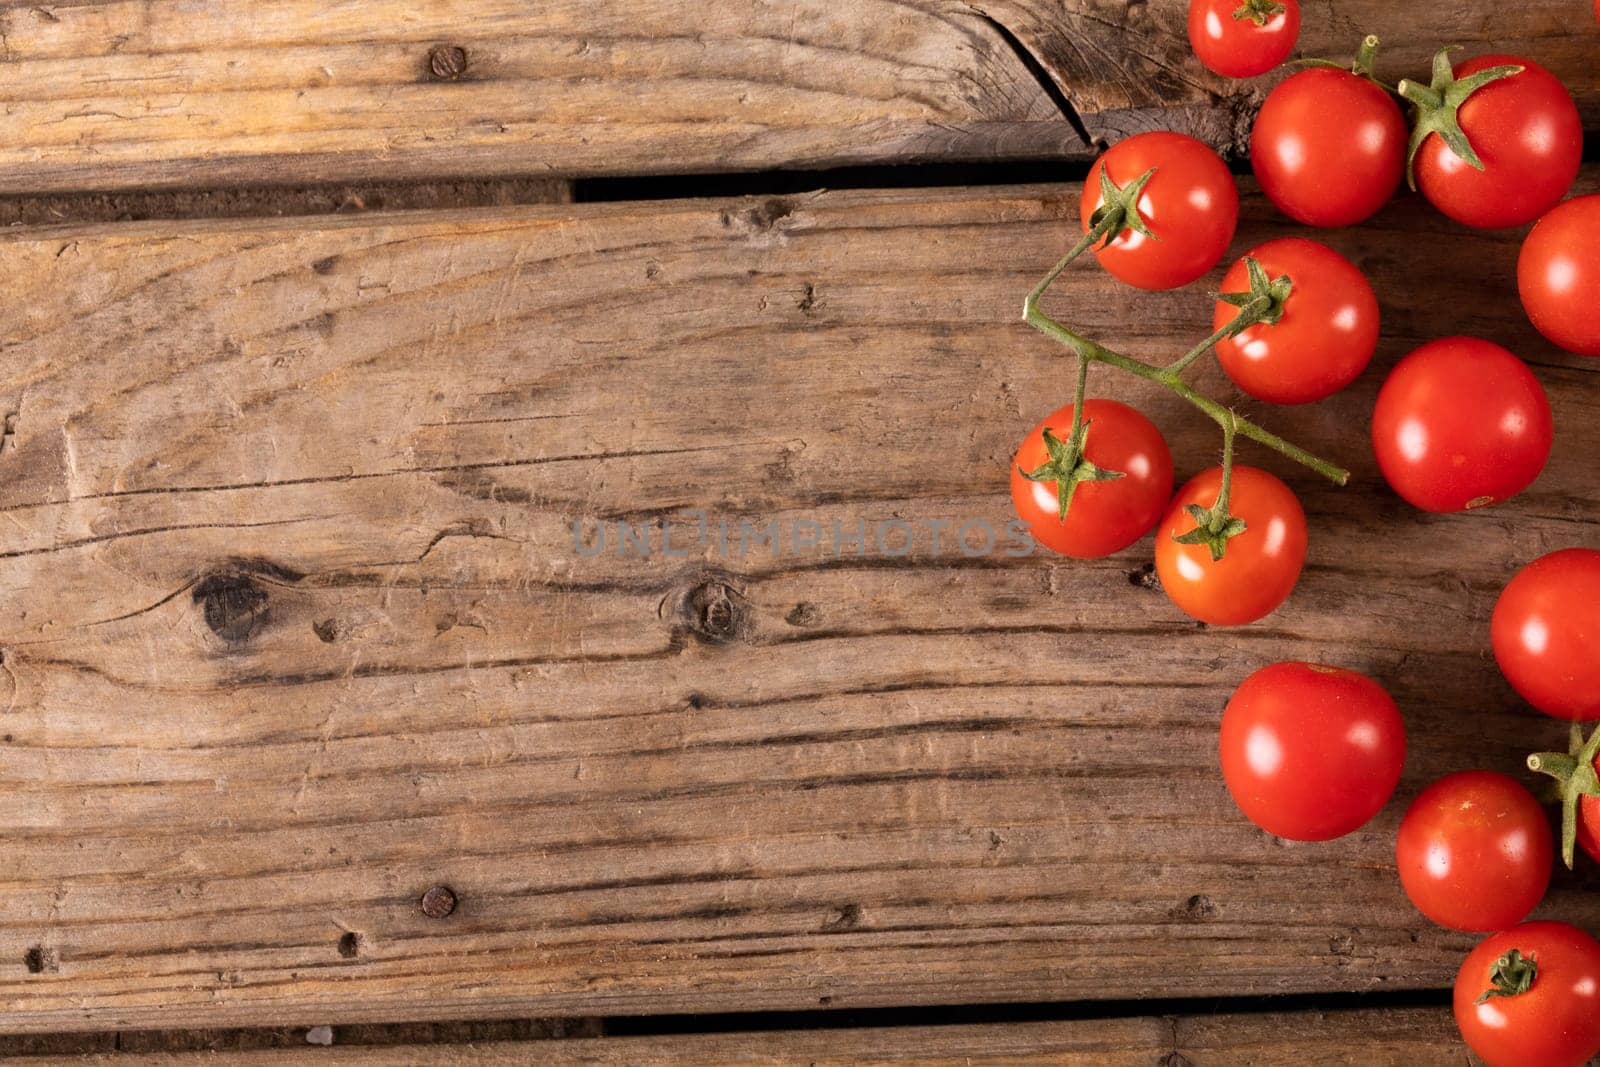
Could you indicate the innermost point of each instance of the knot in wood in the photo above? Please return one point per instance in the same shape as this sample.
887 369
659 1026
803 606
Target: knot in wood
234 604
438 902
716 612
447 62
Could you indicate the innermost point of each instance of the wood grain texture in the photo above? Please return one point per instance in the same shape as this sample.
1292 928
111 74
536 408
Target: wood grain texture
167 94
296 629
1400 1038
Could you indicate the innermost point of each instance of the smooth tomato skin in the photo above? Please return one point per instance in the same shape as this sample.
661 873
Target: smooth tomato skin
1309 752
1556 1023
1262 564
1558 275
1191 204
1546 633
1325 338
1238 48
1105 517
1328 147
1461 423
1527 132
1475 852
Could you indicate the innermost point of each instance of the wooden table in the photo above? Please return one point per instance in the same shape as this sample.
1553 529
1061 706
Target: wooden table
315 712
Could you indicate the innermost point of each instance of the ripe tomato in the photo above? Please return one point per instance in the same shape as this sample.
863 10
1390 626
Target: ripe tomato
1228 39
1461 423
1190 204
1309 752
1525 129
1328 147
1105 516
1546 633
1475 852
1261 565
1323 341
1555 1020
1558 275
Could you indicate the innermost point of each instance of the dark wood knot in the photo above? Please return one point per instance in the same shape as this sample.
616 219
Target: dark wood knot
438 902
715 612
447 62
233 603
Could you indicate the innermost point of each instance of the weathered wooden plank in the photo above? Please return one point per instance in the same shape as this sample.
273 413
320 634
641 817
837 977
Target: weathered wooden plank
1412 1038
296 628
162 93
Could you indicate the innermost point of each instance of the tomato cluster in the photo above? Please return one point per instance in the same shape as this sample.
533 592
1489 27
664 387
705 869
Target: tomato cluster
1312 752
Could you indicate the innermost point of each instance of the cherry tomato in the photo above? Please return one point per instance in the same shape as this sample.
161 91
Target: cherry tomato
1546 633
1191 205
1461 423
1105 516
1228 40
1309 752
1526 131
1555 1020
1328 147
1475 852
1325 338
1558 275
1261 565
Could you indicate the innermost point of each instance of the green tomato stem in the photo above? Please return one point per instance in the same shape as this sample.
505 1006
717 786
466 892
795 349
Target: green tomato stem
1574 772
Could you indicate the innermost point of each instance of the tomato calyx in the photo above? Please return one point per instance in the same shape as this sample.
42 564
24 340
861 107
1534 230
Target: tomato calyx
1067 466
1267 294
1511 976
1437 105
1119 208
1214 526
1576 778
1258 11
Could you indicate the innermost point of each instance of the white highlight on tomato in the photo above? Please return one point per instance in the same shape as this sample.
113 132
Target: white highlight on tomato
1438 860
1200 198
1138 466
1277 534
1514 423
1515 845
1373 135
1262 752
1363 735
1413 440
1344 320
1189 568
1535 636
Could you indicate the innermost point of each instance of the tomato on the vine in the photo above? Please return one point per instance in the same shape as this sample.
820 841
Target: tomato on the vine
1461 423
1546 633
1243 38
1261 565
1310 752
1558 275
1325 336
1475 852
1524 129
1105 516
1530 997
1328 147
1189 204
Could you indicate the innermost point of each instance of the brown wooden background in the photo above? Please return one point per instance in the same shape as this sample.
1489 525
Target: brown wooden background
325 323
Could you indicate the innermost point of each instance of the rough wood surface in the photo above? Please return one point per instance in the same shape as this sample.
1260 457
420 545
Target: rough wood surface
296 630
163 93
1402 1038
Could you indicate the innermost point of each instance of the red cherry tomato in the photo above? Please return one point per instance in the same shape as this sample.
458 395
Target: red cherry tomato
1228 40
1328 147
1107 516
1461 423
1558 275
1546 633
1475 852
1526 131
1309 752
1555 1021
1325 338
1261 565
1191 205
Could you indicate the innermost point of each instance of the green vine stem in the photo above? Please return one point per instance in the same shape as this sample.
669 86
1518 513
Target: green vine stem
1575 776
1264 303
1511 976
